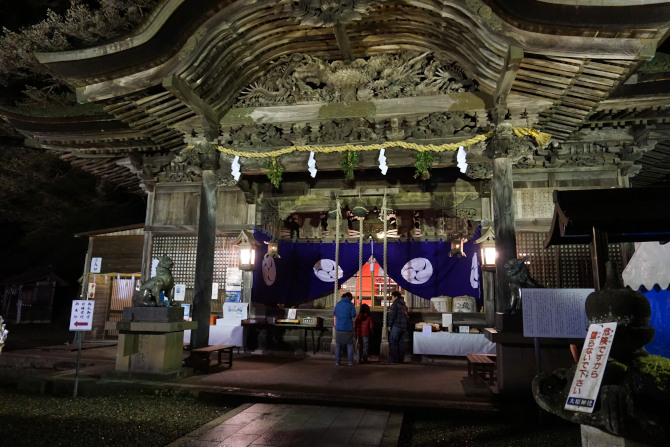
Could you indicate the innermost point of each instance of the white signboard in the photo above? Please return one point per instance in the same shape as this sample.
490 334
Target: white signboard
234 313
96 263
556 313
179 292
427 330
154 266
291 314
215 290
447 320
81 318
233 279
591 367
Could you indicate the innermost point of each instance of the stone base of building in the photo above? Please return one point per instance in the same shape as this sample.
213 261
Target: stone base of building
150 377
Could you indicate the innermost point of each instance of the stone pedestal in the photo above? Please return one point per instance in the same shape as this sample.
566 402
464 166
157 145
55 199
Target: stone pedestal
151 343
516 356
594 437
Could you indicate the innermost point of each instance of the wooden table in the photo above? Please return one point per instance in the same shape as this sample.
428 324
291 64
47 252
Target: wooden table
304 338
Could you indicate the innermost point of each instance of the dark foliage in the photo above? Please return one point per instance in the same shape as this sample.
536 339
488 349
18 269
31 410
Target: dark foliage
45 202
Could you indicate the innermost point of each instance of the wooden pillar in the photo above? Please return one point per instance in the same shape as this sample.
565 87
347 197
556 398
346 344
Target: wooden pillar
599 257
503 213
488 282
248 276
204 262
147 243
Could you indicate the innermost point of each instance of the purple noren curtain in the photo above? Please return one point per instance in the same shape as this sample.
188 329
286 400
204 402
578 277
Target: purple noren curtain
306 270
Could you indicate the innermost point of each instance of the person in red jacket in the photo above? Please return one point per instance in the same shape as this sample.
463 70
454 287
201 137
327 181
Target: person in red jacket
363 330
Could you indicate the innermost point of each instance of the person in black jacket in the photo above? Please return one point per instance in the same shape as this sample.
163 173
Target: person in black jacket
397 323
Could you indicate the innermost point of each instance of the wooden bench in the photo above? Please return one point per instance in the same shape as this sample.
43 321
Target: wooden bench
200 357
481 367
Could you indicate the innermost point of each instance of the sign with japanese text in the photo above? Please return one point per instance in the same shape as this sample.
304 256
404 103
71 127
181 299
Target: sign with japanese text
215 290
554 313
81 318
591 367
96 263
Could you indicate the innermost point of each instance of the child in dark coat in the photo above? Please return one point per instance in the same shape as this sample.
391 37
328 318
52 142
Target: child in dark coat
363 330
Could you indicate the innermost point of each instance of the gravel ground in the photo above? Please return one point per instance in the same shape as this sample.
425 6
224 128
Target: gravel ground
35 420
159 418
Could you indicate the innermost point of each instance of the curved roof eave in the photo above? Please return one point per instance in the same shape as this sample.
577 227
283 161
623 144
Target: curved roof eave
135 63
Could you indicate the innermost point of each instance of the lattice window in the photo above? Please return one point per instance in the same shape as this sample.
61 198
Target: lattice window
561 266
182 250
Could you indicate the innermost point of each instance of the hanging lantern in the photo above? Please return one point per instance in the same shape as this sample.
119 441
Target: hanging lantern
487 243
273 249
457 247
246 246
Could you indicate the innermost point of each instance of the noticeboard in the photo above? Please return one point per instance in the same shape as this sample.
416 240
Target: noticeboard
555 313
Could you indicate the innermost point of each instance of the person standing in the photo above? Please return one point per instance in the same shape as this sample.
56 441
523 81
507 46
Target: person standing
363 327
344 313
397 323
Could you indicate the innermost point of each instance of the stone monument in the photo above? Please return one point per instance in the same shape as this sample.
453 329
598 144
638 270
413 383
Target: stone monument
151 332
632 405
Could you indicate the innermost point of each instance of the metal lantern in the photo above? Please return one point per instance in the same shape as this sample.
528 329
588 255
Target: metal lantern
273 249
487 243
457 247
246 246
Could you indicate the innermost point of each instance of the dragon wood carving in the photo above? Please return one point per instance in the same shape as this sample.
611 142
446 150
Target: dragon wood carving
301 78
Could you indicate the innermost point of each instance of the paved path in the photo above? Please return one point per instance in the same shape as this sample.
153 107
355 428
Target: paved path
284 425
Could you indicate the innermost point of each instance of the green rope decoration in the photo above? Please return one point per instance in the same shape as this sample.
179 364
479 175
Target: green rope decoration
348 163
275 171
424 161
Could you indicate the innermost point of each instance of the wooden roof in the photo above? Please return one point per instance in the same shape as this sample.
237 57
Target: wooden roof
558 67
624 214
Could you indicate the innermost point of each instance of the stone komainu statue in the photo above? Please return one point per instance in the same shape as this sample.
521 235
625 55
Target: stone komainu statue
518 277
149 293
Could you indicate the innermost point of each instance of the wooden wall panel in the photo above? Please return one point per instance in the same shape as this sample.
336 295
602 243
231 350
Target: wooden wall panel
120 254
176 207
232 208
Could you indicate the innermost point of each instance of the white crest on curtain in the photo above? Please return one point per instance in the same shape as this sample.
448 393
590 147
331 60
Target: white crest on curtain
325 269
417 270
474 272
269 270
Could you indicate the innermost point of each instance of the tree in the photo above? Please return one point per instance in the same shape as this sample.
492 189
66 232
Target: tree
45 201
79 26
